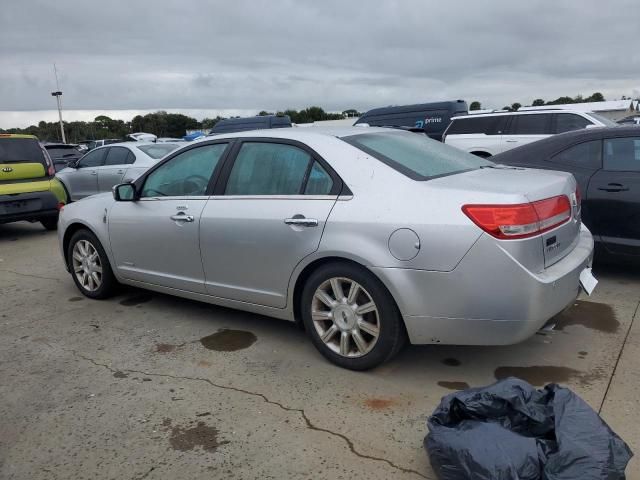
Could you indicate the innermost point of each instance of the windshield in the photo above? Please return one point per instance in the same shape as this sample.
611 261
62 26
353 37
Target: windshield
604 120
415 154
18 150
158 150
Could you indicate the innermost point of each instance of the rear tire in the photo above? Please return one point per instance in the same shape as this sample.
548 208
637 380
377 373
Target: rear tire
89 266
351 317
50 223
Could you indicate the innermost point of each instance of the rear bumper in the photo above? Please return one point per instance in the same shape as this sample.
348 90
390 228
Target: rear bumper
489 298
28 206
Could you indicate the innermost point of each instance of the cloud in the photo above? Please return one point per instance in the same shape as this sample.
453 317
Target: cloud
277 54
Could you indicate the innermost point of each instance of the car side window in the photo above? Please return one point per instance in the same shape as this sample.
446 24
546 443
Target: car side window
319 181
566 122
262 168
131 158
587 155
186 174
491 125
92 159
622 154
116 156
532 124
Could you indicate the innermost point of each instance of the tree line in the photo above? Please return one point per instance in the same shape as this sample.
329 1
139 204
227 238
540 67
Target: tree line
159 123
539 102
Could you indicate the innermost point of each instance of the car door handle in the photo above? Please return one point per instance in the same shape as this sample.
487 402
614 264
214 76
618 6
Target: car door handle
120 171
302 222
614 187
94 173
511 141
182 217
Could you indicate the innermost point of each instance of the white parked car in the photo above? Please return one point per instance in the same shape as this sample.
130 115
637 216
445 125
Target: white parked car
488 134
104 167
142 137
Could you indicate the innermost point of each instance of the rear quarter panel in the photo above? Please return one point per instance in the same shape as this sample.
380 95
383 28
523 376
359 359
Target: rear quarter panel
384 201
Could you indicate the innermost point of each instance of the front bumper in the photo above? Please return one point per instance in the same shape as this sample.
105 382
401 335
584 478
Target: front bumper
489 298
28 206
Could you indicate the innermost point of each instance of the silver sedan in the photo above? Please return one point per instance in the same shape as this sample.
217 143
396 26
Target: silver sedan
370 237
103 167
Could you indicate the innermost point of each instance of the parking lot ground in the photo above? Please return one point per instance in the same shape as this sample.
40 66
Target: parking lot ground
128 388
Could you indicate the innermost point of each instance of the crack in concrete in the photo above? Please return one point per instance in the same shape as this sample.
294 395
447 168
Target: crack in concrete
615 367
146 474
33 276
310 425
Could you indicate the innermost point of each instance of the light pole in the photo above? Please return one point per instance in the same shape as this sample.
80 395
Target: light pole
58 94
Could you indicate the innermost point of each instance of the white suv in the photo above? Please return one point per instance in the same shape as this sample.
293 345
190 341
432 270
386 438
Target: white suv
488 134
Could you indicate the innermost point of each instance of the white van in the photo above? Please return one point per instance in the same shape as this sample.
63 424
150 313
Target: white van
488 134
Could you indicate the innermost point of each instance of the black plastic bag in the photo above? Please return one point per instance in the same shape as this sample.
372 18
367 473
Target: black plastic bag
510 430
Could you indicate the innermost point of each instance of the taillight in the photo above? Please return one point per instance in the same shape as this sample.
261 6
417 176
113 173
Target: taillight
521 220
578 201
60 206
51 171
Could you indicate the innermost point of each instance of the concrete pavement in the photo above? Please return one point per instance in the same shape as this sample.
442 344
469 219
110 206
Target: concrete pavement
150 386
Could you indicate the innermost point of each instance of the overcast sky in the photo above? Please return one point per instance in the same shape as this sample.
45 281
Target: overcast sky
249 55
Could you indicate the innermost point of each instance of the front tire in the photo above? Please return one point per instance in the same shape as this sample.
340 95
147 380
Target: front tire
351 317
89 266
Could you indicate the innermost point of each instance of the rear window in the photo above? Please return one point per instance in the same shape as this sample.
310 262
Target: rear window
62 152
158 150
21 150
416 156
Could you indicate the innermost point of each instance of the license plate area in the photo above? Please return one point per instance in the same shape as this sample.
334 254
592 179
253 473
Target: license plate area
588 281
19 206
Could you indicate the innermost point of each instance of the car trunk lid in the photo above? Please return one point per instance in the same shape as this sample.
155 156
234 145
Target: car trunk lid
542 242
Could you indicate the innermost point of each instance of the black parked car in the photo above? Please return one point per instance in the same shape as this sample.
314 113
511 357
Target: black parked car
62 154
606 164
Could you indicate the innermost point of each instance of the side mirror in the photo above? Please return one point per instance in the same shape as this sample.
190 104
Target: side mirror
125 192
72 163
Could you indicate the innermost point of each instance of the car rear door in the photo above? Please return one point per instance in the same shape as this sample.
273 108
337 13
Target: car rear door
526 128
268 214
83 180
117 160
614 195
155 239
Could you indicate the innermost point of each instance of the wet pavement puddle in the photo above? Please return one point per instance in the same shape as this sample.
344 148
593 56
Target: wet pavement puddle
228 340
592 315
453 385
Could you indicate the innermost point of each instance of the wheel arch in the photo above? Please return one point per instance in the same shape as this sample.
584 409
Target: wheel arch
69 232
481 153
312 266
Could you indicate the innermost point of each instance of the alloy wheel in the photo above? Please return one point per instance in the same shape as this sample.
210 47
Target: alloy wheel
87 266
345 317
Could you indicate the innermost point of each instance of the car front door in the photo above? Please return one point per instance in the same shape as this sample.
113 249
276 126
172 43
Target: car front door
614 195
155 238
115 165
83 181
267 215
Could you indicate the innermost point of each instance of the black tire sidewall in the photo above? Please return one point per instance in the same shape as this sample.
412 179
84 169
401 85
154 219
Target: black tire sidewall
50 223
108 285
391 327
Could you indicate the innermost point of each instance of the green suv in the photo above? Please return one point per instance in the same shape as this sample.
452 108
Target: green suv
28 188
